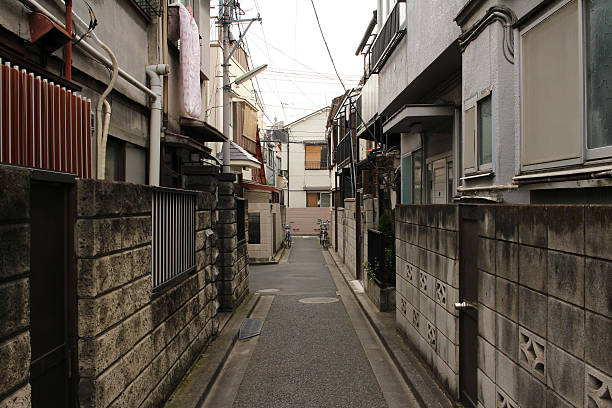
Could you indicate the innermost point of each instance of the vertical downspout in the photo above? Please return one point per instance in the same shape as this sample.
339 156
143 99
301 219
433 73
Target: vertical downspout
153 72
68 49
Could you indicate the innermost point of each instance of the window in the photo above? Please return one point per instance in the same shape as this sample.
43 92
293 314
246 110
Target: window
565 90
417 176
315 157
598 16
254 229
449 176
478 134
407 179
485 132
317 200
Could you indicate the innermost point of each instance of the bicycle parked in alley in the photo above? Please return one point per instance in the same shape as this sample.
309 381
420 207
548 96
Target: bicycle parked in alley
287 240
323 232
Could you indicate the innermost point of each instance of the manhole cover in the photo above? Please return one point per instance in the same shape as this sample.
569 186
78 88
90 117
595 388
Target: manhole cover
268 290
319 300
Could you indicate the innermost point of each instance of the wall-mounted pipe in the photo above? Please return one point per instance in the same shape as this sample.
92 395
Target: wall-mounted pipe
34 5
68 55
154 72
100 126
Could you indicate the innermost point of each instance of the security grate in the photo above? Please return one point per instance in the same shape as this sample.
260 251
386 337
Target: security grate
150 7
173 243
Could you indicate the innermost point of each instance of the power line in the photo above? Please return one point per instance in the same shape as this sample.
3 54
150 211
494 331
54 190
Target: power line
326 46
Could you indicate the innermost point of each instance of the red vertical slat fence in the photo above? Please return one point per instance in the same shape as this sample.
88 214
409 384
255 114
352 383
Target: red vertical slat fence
42 124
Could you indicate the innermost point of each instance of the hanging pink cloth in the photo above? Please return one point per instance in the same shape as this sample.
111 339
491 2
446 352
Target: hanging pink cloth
190 63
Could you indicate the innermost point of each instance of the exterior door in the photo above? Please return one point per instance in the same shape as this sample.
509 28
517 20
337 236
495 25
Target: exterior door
50 295
468 295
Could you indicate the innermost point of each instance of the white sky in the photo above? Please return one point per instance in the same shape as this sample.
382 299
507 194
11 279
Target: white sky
300 78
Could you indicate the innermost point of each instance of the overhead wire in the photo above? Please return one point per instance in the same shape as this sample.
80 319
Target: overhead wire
327 46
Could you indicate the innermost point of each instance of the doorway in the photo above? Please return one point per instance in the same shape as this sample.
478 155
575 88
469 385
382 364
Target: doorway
52 301
468 295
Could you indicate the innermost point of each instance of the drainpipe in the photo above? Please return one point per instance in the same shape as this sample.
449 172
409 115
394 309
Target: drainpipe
100 134
154 72
34 5
68 55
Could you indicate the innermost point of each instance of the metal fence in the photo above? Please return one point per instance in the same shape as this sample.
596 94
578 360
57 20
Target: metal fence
173 228
381 258
343 151
316 165
42 124
388 36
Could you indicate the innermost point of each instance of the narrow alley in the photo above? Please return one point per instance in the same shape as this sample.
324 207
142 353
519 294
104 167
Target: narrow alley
316 347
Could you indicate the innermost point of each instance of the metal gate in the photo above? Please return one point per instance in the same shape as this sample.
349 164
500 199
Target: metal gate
52 295
468 295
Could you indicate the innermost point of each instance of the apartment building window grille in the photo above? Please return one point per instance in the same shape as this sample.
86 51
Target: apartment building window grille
565 88
173 238
254 228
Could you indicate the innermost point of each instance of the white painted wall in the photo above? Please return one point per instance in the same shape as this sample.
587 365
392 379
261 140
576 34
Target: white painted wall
308 129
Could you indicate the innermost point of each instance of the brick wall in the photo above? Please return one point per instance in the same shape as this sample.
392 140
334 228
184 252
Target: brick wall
14 287
427 286
545 302
134 345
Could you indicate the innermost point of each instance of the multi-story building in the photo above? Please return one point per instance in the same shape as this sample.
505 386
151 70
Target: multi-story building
306 159
491 102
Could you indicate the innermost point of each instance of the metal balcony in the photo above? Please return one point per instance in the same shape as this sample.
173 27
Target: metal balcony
388 37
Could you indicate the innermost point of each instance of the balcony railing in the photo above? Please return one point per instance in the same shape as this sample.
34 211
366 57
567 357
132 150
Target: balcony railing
389 35
316 165
343 152
248 144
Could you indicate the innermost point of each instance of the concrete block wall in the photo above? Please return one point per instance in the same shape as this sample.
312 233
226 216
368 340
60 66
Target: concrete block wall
14 287
232 262
265 250
427 286
350 237
304 220
135 345
341 233
369 217
545 306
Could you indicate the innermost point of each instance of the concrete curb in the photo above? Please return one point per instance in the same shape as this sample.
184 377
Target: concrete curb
275 259
420 379
198 381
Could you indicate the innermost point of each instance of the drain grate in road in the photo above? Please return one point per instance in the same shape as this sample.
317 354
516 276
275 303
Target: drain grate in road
250 328
268 290
319 300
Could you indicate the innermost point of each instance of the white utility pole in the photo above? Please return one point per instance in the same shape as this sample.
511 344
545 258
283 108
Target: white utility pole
225 17
226 12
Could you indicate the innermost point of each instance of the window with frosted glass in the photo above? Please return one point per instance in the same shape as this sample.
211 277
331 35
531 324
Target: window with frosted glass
485 131
417 176
598 25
